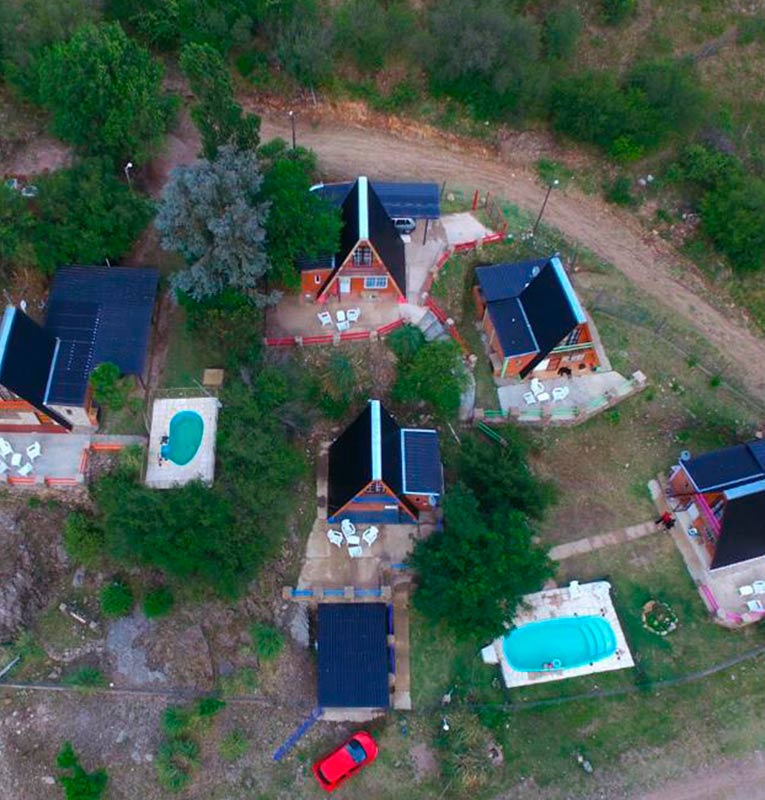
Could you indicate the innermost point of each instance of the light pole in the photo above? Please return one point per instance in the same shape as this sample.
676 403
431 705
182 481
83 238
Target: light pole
292 122
128 167
544 204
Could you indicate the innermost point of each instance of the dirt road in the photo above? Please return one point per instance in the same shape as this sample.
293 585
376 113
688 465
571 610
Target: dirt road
729 780
648 261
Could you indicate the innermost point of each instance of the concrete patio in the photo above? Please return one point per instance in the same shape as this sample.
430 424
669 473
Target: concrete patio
165 474
63 459
463 227
718 588
421 257
588 395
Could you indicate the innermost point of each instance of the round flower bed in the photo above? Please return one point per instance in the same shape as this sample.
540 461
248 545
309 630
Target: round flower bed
659 618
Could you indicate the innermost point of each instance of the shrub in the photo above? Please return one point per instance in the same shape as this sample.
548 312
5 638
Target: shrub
614 12
177 720
465 753
560 31
233 746
406 342
267 641
158 602
618 191
77 783
209 707
176 759
83 539
109 388
85 677
116 599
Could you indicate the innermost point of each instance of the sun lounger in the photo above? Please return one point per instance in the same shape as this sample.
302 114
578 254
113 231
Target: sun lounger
745 591
25 470
3 467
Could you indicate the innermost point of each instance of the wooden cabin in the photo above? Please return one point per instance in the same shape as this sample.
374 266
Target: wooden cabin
95 315
533 322
382 473
723 493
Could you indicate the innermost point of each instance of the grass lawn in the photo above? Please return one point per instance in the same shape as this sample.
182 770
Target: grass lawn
187 355
635 739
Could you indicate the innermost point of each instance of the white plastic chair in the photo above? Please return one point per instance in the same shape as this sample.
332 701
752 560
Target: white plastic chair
343 326
3 467
34 451
536 386
755 605
560 392
16 459
370 535
325 318
340 316
347 527
530 398
759 587
355 552
335 537
353 314
25 470
5 447
746 590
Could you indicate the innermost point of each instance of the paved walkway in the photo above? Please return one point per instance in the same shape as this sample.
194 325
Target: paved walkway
581 546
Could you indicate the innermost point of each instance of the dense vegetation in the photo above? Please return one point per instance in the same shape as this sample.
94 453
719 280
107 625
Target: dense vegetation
473 575
78 784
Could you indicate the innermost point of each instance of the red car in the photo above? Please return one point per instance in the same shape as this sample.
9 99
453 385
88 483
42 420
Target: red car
355 753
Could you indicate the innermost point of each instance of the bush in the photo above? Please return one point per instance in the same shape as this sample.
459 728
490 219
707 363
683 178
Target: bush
116 599
175 761
158 602
465 762
177 720
109 388
77 783
209 707
83 539
614 12
267 641
86 677
233 746
618 191
406 342
560 31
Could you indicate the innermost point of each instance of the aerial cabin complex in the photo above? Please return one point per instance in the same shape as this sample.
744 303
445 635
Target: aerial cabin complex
532 320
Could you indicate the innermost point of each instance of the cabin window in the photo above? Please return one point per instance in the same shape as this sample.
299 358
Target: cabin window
573 337
376 282
362 256
317 279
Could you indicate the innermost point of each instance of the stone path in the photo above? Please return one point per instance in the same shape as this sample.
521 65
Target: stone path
590 543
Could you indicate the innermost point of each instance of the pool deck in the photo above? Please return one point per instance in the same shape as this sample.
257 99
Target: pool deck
576 600
202 467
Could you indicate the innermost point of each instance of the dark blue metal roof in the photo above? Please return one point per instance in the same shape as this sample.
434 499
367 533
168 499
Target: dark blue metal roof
99 314
726 468
418 200
743 531
509 320
421 453
353 655
502 281
26 356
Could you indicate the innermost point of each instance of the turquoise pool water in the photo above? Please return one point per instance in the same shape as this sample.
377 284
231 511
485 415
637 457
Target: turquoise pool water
559 644
183 438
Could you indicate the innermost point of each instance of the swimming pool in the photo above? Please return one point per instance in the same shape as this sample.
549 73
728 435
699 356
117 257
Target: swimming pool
563 643
183 438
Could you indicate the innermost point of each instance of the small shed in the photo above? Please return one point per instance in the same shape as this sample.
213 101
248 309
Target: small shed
353 657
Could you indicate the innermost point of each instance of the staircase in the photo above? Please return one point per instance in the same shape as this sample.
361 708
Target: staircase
432 329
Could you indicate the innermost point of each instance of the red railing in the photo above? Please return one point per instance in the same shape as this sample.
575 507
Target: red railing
441 316
326 339
354 336
391 326
708 514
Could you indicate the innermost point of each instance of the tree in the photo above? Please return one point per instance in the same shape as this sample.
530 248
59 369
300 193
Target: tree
560 31
216 114
110 389
27 27
436 375
304 46
105 93
473 575
211 213
79 784
16 224
733 216
300 223
500 477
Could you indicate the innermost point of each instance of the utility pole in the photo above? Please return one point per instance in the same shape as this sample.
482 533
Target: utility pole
544 205
128 167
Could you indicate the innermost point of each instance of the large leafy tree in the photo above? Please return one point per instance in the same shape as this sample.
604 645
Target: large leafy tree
212 214
473 575
85 215
104 92
216 114
300 223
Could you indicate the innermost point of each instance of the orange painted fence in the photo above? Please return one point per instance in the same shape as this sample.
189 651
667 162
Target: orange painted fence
329 338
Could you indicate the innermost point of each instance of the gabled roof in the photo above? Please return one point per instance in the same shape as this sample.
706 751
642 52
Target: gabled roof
400 199
728 467
373 448
386 240
743 531
532 306
353 662
27 357
99 314
421 456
